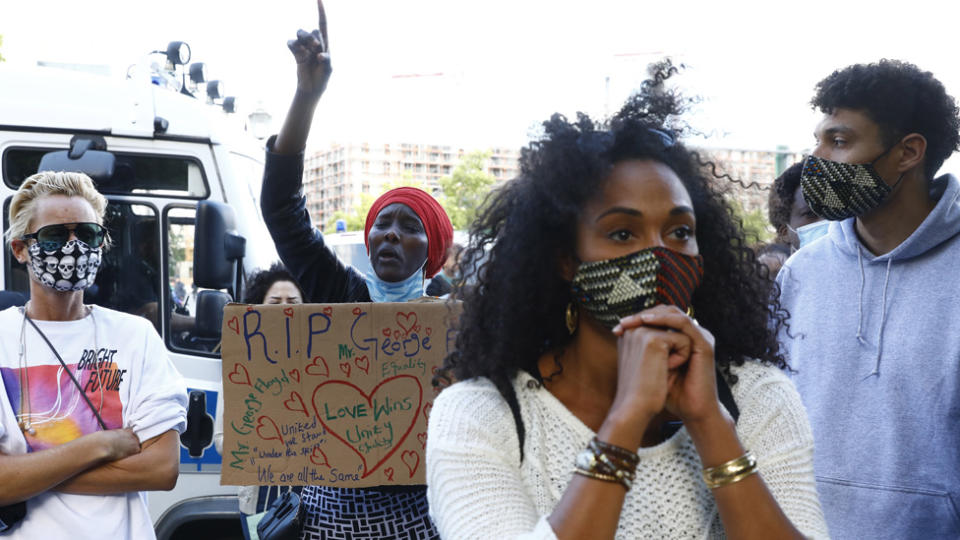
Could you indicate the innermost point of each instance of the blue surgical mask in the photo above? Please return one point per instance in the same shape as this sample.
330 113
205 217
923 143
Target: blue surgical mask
400 291
810 232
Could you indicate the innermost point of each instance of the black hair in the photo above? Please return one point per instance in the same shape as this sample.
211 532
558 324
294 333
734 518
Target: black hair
901 99
258 283
515 313
781 197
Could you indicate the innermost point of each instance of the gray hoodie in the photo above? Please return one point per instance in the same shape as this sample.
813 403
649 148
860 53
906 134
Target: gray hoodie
875 341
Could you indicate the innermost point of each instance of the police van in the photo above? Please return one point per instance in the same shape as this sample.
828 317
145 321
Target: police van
183 181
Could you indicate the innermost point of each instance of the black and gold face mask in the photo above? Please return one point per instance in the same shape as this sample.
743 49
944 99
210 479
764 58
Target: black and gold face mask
612 289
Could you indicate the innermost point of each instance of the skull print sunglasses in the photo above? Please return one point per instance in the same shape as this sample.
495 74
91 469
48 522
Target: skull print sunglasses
53 237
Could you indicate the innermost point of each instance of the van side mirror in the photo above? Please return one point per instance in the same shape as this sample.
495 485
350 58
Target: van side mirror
87 155
217 247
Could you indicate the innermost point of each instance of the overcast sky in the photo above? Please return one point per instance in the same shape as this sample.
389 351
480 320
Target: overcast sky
506 64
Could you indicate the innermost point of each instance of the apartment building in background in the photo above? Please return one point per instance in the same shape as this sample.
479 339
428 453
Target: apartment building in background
335 178
760 167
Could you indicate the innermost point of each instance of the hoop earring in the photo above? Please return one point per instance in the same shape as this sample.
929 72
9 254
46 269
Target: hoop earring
573 318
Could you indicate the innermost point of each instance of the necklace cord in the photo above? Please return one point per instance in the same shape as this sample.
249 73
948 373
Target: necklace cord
70 373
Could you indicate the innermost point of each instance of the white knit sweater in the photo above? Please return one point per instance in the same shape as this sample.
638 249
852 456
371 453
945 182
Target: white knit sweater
478 488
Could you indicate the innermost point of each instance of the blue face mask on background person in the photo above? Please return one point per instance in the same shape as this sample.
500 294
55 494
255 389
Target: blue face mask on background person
400 291
811 231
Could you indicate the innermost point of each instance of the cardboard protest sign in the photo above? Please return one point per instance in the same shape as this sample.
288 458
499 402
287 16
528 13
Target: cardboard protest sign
333 394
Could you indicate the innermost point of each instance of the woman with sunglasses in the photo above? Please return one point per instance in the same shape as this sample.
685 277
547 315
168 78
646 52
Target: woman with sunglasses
91 406
592 403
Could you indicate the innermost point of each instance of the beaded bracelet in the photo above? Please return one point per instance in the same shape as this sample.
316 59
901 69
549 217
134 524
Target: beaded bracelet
730 472
603 461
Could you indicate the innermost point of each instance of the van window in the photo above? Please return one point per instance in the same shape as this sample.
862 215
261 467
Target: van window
129 276
186 331
173 176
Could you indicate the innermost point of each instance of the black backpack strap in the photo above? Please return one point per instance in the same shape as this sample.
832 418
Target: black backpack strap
726 397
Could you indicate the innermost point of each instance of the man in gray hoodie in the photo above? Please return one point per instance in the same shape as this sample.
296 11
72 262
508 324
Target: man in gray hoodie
874 331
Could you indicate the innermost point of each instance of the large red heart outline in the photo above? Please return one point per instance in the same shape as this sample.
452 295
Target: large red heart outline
270 429
351 393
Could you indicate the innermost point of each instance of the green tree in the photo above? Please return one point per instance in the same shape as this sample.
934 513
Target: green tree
756 229
465 189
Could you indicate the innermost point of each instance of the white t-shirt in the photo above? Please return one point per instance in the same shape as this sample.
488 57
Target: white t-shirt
478 488
125 371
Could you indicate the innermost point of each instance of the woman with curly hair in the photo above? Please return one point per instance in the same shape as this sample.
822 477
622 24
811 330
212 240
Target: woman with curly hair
578 354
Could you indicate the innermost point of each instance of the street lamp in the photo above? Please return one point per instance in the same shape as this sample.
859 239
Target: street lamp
259 122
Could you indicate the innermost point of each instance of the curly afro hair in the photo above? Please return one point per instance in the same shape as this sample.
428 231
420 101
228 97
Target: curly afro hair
781 197
260 282
901 99
515 311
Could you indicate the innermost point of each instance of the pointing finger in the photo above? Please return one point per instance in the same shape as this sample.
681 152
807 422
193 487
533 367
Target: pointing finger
322 25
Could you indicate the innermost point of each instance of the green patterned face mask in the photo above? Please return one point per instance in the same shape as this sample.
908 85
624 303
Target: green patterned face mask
612 289
837 191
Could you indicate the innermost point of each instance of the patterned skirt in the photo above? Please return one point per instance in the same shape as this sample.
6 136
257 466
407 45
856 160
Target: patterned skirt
362 514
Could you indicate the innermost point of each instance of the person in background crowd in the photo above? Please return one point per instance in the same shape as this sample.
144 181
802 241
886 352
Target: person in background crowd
874 332
91 406
449 277
407 234
795 223
773 256
275 285
578 354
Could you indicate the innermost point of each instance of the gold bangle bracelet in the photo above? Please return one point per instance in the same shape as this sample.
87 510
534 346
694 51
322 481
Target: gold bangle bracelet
730 472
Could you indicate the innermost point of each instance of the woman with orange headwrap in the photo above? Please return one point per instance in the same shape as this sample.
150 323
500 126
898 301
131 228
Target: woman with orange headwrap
407 234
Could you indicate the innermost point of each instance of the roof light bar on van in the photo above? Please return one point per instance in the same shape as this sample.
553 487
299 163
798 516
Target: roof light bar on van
214 90
178 52
198 72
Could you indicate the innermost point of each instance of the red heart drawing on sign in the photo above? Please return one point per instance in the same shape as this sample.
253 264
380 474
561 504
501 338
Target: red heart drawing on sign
249 309
316 455
434 369
397 334
269 427
422 437
429 330
389 472
234 324
363 364
407 321
240 375
315 368
328 311
295 374
426 410
295 404
357 311
416 328
346 395
386 332
288 311
345 368
411 459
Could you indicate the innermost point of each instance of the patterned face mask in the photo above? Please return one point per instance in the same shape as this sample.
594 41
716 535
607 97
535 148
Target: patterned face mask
71 267
612 289
837 191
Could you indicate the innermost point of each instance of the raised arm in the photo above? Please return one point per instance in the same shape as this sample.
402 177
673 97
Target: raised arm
311 50
301 247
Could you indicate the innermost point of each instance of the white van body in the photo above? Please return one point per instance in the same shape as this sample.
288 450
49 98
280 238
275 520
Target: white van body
201 155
